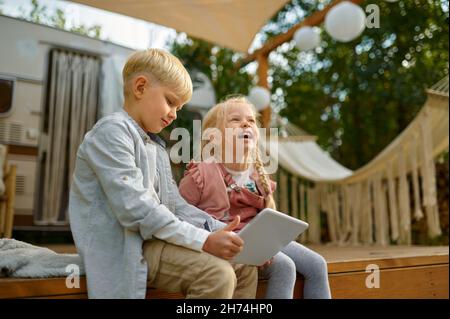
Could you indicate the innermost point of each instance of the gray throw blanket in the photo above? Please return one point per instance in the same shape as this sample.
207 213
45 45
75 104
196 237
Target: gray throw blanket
19 259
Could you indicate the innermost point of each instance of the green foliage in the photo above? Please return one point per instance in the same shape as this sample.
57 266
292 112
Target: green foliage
38 13
59 19
358 96
42 15
93 31
219 64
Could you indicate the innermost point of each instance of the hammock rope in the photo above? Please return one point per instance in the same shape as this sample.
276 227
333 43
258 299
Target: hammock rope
371 204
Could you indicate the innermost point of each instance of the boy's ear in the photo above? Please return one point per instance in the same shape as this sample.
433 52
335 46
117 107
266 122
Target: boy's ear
140 85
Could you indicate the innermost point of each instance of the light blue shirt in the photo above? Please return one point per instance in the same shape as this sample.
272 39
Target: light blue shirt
114 207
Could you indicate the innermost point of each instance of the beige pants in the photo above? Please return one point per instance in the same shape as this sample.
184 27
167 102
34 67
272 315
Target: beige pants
197 274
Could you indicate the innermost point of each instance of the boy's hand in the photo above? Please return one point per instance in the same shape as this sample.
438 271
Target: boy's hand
224 243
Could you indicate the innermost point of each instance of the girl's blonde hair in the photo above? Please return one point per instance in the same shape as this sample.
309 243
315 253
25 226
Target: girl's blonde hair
161 66
216 117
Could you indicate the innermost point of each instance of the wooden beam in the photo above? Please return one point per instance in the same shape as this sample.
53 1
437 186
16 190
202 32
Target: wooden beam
263 69
313 20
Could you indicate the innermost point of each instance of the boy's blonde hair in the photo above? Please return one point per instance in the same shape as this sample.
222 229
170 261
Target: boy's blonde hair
162 67
216 117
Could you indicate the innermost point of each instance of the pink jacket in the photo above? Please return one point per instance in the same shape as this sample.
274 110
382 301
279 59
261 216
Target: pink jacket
212 189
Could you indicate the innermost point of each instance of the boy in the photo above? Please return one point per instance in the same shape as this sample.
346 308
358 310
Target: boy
129 222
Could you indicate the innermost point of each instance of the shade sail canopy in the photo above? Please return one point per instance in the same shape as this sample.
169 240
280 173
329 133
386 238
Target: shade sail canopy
229 23
308 160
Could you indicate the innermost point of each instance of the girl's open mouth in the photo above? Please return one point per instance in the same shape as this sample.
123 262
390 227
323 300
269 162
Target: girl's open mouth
246 135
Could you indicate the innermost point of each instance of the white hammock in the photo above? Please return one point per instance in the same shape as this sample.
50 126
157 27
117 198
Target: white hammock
371 204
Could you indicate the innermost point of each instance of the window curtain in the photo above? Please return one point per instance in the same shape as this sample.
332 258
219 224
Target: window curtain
70 111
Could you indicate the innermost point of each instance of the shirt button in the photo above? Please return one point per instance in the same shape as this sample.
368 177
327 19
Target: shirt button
125 178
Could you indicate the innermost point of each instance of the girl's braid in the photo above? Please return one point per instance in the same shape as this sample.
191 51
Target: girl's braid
264 180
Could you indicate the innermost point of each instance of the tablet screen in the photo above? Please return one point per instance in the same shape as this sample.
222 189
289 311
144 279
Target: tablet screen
266 235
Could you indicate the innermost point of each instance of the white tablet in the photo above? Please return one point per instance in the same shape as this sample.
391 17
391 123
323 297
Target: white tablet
266 235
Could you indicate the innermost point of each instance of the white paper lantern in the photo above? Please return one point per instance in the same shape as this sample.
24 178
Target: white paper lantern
345 21
306 38
260 97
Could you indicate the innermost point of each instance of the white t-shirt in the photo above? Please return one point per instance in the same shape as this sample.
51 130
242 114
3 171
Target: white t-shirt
154 175
244 178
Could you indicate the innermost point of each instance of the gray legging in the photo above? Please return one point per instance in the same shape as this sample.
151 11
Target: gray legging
281 274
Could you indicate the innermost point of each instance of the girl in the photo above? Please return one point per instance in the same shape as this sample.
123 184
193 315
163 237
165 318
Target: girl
240 187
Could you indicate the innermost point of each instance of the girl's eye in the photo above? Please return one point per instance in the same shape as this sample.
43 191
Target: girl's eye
252 120
234 119
169 102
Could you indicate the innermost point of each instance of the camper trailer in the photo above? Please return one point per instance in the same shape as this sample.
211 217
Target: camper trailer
54 85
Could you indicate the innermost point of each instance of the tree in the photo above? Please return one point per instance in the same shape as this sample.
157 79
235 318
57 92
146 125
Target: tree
219 64
42 15
358 96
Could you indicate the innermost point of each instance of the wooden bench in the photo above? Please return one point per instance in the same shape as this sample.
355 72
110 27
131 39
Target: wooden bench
404 272
51 288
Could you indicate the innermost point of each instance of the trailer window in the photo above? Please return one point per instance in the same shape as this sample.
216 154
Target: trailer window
6 95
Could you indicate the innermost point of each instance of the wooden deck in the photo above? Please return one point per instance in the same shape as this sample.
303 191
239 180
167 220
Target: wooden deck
404 272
